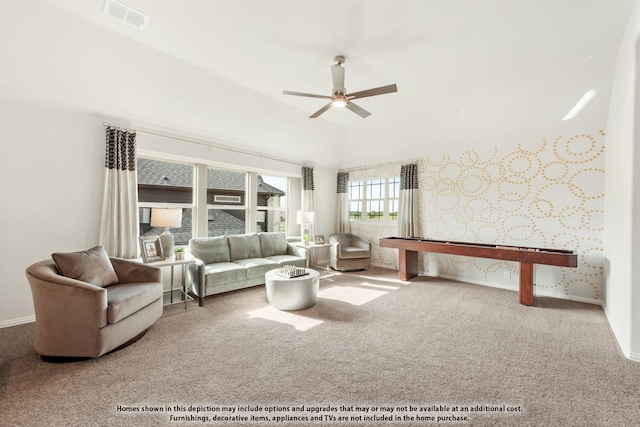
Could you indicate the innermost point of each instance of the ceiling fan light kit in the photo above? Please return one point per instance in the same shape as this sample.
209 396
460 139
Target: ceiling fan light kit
340 98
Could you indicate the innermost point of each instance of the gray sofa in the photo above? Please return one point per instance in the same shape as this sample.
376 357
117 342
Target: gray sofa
226 263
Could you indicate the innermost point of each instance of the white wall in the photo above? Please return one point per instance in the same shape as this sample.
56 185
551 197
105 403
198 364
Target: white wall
622 274
52 170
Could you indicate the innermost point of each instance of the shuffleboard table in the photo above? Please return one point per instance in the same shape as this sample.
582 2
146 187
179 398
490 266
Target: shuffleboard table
526 256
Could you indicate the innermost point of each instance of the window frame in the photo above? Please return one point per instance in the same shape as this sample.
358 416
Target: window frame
199 205
366 193
175 205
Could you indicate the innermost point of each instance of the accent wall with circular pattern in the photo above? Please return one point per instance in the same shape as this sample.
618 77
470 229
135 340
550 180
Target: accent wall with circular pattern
549 194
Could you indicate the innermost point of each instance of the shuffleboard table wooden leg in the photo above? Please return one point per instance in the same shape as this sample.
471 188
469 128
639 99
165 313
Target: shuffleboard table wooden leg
408 264
526 283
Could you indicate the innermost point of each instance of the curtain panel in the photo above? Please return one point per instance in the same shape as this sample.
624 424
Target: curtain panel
119 227
308 197
344 226
408 203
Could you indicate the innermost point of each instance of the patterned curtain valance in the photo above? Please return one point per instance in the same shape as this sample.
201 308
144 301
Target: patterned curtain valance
121 149
343 182
307 178
409 177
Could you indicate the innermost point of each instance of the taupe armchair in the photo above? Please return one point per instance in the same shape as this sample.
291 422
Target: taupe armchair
87 304
349 252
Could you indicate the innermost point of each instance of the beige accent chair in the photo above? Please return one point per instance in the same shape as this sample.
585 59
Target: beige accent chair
349 252
88 304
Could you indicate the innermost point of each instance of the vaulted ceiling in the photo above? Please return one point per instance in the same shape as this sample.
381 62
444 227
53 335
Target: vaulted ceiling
468 72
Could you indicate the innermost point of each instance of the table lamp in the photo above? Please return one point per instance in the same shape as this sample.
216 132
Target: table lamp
305 218
167 218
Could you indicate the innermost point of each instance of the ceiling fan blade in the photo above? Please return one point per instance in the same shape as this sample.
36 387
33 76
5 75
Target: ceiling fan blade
320 111
337 75
310 95
372 92
358 110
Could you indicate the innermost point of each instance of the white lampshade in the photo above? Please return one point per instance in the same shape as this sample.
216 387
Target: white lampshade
166 217
304 217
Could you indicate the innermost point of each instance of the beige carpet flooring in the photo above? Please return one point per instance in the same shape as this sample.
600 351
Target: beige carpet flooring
373 351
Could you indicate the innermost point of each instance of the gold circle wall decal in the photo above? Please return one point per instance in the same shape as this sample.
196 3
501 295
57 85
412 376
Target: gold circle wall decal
446 187
592 219
469 158
578 154
511 201
580 145
589 259
464 214
579 183
428 183
541 208
583 288
520 164
569 217
519 232
488 233
515 184
430 166
473 182
488 213
461 233
555 171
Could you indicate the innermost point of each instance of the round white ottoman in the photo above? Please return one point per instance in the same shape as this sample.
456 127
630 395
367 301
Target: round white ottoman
296 293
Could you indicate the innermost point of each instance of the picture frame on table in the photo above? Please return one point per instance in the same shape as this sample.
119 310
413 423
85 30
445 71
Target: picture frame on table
319 239
151 249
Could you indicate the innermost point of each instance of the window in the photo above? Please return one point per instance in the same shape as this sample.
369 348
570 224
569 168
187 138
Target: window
226 202
374 199
272 203
228 206
165 184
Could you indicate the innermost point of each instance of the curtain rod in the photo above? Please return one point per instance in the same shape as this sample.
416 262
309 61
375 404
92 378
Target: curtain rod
262 156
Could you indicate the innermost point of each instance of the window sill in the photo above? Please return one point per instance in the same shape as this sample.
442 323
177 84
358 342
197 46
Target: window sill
370 222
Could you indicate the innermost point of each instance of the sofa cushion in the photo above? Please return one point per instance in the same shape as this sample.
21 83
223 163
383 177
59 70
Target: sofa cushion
224 272
257 267
92 266
273 243
244 246
289 260
351 252
210 249
124 299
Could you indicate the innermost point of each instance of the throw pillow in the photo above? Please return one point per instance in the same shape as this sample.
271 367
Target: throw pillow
92 266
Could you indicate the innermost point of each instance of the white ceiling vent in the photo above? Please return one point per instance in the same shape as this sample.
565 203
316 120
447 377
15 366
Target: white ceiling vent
125 13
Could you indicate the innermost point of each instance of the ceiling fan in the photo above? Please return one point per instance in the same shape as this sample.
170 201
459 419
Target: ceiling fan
340 98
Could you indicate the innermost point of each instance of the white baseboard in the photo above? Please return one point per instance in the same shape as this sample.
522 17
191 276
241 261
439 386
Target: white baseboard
18 321
537 292
635 357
